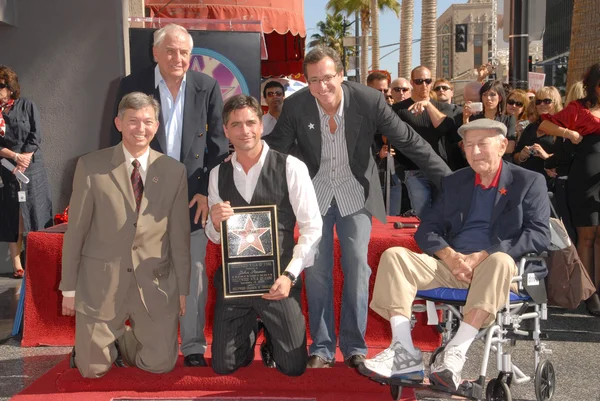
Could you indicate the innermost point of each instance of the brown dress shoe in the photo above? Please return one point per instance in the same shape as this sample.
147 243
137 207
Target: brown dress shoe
315 361
355 361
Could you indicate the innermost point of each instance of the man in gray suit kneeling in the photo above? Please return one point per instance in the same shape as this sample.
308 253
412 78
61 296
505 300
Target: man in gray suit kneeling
126 252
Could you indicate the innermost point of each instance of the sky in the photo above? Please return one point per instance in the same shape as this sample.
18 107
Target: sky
389 29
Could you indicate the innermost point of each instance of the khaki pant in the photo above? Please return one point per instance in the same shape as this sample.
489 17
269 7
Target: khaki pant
149 345
401 273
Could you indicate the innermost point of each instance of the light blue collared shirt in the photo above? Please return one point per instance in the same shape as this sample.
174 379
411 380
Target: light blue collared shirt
172 112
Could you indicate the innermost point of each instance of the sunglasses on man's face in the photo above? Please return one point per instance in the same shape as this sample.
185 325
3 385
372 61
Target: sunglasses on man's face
276 93
513 102
400 89
3 85
420 81
540 101
442 88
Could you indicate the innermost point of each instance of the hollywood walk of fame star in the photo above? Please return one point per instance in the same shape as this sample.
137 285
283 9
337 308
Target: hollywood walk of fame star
311 126
250 236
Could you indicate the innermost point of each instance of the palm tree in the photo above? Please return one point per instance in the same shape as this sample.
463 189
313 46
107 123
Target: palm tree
375 34
363 7
331 33
428 35
585 39
406 36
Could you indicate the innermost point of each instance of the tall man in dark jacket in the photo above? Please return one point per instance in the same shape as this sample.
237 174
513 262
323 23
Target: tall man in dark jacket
334 123
487 215
190 131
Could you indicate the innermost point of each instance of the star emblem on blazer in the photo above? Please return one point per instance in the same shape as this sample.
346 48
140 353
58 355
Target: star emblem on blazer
311 126
502 191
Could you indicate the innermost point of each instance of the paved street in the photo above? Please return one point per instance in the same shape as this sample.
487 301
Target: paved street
574 340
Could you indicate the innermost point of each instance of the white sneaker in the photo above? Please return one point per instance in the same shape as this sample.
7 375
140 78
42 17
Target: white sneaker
395 362
447 368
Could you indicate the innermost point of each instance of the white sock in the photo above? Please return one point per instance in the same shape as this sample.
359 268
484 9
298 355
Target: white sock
463 338
401 332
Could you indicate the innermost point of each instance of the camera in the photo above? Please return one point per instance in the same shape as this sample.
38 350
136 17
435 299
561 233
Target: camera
532 152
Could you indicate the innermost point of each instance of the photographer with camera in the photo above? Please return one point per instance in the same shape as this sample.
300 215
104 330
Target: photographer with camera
534 146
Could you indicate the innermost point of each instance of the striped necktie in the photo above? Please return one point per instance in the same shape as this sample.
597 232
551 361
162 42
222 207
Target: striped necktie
138 185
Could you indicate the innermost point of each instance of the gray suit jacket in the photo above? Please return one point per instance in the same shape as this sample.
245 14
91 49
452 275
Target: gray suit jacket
107 244
203 143
365 113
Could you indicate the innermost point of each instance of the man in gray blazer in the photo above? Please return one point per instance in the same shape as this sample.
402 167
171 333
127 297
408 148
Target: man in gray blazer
126 252
333 124
191 131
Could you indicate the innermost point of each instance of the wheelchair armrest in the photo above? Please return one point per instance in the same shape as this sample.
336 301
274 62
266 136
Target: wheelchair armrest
537 291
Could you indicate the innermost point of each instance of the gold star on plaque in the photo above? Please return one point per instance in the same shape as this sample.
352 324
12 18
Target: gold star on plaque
250 237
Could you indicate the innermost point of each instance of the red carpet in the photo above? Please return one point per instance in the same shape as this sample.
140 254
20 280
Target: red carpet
44 324
336 384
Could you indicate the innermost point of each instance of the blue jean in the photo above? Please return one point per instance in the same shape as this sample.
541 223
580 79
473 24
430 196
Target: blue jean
354 232
420 191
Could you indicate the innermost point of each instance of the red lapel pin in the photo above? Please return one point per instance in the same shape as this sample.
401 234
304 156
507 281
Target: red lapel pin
502 191
155 180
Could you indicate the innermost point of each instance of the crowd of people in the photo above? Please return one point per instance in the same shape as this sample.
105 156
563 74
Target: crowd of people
142 211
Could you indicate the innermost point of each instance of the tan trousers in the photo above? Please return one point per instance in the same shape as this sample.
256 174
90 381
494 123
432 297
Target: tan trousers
149 345
401 273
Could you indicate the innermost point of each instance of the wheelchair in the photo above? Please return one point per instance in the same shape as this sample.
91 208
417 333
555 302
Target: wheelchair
498 338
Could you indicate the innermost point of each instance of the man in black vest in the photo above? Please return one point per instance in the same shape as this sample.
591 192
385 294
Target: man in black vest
257 175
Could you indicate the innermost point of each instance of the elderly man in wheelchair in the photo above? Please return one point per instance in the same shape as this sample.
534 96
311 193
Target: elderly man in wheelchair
485 218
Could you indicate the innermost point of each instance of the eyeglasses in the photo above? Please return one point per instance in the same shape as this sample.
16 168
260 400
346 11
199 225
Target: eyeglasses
3 85
441 88
398 89
513 102
325 80
420 81
540 101
276 93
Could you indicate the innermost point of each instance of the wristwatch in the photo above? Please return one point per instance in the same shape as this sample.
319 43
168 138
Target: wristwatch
289 275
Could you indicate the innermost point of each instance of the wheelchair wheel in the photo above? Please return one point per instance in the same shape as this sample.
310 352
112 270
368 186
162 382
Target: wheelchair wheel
497 390
545 381
396 392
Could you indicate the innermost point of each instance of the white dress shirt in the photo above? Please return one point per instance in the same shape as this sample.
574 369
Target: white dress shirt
143 159
172 113
268 124
302 198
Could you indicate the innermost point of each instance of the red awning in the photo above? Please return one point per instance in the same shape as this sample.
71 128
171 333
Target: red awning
281 16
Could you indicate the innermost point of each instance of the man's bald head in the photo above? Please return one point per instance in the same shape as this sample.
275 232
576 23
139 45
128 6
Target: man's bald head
471 92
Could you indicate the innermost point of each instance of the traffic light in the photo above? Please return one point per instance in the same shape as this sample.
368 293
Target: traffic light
460 38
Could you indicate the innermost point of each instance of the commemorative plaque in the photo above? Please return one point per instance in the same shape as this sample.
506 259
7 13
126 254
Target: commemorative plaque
250 251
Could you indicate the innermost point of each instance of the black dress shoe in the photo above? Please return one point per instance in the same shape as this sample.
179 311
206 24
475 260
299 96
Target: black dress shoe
355 361
119 362
315 361
266 351
593 304
72 363
195 361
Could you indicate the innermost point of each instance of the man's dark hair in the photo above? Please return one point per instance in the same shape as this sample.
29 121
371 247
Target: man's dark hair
319 53
591 80
273 84
376 76
239 102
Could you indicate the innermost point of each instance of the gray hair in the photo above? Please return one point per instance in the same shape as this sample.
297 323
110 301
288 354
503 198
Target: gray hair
137 101
318 53
239 102
400 79
160 34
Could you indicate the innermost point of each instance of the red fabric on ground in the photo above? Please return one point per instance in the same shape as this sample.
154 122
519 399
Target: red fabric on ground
339 383
44 324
